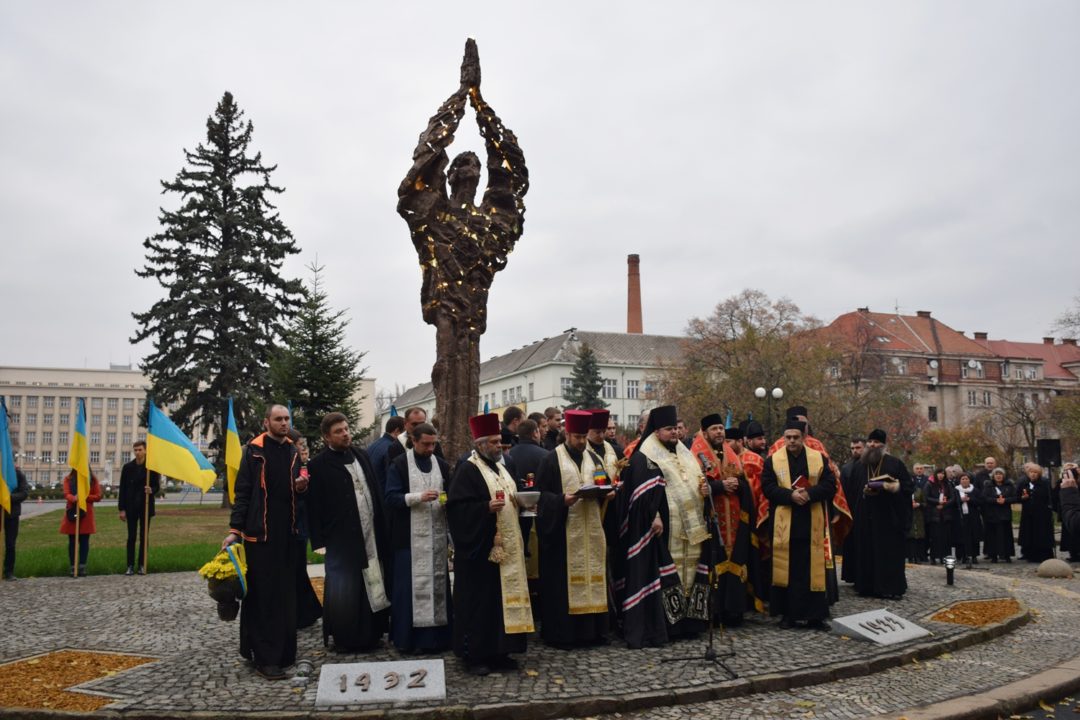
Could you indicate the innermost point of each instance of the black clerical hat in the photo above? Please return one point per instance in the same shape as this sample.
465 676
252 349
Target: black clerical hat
796 410
877 434
709 420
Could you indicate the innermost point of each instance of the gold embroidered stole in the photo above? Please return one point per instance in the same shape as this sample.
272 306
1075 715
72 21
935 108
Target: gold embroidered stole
781 558
686 517
586 547
517 611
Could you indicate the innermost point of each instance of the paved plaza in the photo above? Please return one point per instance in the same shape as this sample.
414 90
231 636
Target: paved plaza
792 673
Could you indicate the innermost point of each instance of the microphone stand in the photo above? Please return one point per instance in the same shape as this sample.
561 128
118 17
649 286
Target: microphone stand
714 585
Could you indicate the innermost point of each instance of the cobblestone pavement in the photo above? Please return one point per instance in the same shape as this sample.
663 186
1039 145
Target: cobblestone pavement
1050 638
169 616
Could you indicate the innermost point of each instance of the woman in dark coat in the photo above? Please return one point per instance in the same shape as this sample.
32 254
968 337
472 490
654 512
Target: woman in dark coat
998 495
1036 518
940 502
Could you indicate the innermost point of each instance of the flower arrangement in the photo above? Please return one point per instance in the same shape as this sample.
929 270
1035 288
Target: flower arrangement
226 580
222 567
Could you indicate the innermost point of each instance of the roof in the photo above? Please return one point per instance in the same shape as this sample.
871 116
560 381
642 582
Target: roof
894 332
1054 358
611 348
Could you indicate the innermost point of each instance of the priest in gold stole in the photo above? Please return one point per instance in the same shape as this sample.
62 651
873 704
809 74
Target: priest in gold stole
573 549
800 486
492 613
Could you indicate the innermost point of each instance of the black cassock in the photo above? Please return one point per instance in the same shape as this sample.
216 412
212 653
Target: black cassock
852 482
335 525
997 519
882 520
558 626
1036 520
797 601
734 594
479 632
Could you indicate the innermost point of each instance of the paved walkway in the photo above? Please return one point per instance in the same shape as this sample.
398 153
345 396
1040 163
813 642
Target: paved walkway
169 616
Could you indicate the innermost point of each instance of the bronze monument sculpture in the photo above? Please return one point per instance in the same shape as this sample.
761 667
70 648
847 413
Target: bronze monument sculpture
461 245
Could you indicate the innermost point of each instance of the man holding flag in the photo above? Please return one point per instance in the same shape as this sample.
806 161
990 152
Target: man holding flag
13 491
135 501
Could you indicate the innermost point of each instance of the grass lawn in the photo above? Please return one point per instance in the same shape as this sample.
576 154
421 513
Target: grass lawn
181 538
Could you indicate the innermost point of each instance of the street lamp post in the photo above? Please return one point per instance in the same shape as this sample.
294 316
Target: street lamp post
763 394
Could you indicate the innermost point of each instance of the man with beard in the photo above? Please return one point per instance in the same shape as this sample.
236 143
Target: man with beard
738 583
852 486
420 610
573 549
347 518
664 584
491 592
882 518
800 486
264 516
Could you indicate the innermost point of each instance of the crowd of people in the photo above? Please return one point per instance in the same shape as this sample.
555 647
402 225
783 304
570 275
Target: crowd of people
548 524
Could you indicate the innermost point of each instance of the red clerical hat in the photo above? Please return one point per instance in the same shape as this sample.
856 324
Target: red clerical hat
576 421
599 419
484 425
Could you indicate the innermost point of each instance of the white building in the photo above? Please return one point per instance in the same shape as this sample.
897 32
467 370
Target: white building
537 376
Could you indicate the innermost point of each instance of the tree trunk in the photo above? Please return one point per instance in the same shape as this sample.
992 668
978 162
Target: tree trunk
456 378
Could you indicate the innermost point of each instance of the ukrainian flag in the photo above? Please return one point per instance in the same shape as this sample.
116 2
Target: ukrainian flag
8 480
79 455
233 451
170 452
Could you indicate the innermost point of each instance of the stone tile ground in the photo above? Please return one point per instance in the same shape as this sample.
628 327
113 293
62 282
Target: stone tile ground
169 616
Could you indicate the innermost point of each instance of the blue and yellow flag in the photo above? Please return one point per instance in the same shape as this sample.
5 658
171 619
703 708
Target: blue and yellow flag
8 480
79 455
170 452
233 451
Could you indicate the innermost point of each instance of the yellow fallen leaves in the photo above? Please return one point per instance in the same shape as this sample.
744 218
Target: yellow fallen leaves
976 613
1046 707
41 682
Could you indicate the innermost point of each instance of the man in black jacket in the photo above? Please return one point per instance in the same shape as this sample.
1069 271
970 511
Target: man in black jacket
138 487
264 517
11 523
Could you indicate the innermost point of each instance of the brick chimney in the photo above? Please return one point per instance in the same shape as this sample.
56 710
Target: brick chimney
633 295
1068 341
1048 341
980 336
923 313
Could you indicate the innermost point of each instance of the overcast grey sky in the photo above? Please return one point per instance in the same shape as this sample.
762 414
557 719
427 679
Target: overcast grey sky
842 154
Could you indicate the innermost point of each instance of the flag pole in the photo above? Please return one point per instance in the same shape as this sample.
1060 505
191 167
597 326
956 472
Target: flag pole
146 522
75 554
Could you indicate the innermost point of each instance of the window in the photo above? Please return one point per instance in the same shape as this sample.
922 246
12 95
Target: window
632 389
610 389
127 421
95 403
61 456
520 397
65 419
31 437
531 396
31 418
127 439
988 398
16 401
46 437
62 437
963 370
95 419
649 388
1032 373
113 403
95 457
111 420
110 438
834 371
505 395
46 456
31 401
14 418
95 438
1019 373
129 403
65 402
48 402
931 413
972 398
979 371
564 385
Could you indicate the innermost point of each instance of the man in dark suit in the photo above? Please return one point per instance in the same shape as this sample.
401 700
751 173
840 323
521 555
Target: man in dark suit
138 486
11 523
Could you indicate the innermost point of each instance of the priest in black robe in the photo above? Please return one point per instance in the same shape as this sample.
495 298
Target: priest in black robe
573 605
347 518
493 615
1036 515
800 487
852 483
882 518
264 516
416 483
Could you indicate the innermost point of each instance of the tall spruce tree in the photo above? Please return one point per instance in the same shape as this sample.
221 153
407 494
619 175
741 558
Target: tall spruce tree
585 381
315 370
218 258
